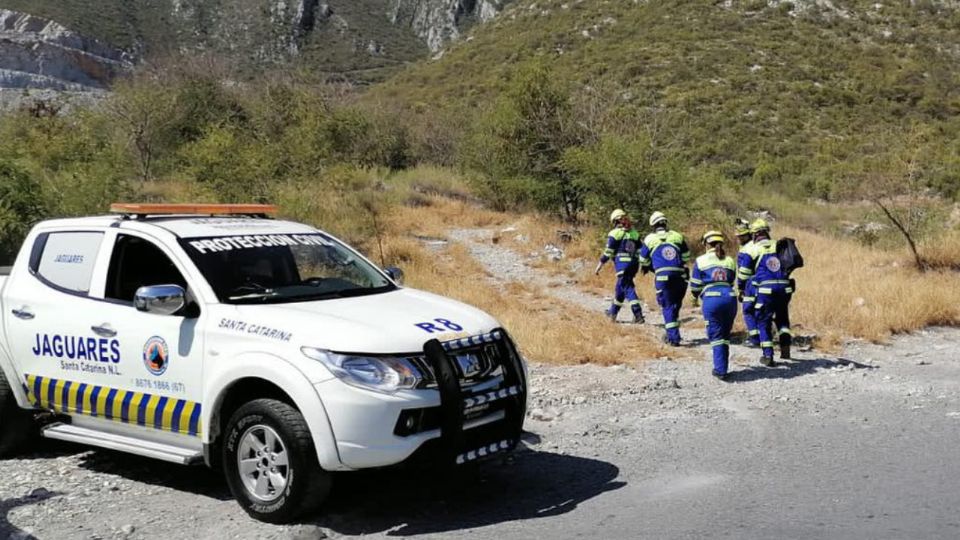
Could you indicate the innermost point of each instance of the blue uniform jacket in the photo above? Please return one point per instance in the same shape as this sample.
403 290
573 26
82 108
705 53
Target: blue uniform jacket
712 276
665 252
758 264
622 248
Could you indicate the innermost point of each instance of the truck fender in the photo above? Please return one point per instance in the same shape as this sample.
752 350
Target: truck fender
288 378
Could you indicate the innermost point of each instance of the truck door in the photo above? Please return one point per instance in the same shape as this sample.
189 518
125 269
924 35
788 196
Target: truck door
47 313
161 355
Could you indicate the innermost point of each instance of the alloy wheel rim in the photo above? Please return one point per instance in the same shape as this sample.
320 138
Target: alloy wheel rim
263 463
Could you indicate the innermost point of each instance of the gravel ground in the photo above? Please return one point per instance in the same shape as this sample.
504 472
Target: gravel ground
862 445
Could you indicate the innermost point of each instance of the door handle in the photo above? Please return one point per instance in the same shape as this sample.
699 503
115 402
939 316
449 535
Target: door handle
104 330
23 313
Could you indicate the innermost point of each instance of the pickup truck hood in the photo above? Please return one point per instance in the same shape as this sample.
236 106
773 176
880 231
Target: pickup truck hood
379 323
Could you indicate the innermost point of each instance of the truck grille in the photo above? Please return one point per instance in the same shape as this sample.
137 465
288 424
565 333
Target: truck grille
476 359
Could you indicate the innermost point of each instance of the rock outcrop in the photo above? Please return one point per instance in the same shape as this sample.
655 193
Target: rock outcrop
439 22
39 53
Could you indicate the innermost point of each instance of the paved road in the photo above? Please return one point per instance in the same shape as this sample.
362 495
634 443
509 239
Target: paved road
818 448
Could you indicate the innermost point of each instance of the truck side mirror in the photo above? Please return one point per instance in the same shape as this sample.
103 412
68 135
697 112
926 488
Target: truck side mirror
395 274
160 299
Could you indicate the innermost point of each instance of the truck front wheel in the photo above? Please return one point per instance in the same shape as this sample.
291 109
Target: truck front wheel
16 425
270 462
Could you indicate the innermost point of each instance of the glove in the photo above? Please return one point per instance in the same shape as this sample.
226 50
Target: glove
597 271
740 296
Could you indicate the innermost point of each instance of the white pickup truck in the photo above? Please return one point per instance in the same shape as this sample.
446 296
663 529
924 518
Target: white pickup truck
215 334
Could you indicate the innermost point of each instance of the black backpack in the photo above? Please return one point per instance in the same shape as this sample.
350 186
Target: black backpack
789 255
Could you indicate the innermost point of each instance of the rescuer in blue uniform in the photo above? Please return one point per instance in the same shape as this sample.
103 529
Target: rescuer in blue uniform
666 253
622 243
759 262
712 282
747 295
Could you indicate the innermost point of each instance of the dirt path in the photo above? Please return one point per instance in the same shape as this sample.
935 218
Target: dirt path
861 445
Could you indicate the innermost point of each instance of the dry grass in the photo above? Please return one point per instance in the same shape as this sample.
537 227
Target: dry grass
845 290
545 329
942 253
850 290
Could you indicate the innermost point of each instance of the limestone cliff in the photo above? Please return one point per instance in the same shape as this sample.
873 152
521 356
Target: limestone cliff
440 21
39 53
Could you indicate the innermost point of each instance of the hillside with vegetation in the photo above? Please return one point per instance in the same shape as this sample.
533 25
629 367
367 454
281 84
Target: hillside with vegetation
355 40
804 97
836 120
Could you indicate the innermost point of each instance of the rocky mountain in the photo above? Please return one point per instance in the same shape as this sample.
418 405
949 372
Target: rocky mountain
91 41
39 53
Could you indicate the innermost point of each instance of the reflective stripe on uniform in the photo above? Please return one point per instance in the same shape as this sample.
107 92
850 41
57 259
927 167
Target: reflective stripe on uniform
672 325
765 290
775 282
663 278
670 269
766 344
785 331
719 342
754 332
749 299
125 406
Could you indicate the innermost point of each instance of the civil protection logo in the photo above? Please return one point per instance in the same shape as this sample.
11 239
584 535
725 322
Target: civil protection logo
773 264
718 275
156 355
669 253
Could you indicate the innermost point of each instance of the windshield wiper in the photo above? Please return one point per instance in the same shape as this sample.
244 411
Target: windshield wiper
256 292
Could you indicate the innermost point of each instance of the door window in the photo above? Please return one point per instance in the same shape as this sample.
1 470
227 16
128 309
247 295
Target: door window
136 263
66 260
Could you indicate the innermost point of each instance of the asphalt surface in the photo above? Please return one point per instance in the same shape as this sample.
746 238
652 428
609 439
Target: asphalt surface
866 445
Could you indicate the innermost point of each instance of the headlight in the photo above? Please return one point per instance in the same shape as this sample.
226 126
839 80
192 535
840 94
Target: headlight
380 373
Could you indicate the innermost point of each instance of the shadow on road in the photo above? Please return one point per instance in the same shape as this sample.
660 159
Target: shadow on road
792 368
407 502
199 480
7 529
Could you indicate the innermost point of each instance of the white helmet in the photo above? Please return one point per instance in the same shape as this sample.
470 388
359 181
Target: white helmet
657 218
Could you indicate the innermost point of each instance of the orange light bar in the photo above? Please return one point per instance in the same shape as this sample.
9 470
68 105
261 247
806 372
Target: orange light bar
203 209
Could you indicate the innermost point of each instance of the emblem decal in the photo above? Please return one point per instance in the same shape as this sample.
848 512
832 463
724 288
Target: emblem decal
669 253
156 355
469 364
773 264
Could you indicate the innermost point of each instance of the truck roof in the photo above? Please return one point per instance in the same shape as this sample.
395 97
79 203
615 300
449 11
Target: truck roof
189 226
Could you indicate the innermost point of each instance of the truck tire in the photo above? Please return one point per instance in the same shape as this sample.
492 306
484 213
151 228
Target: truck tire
16 424
270 462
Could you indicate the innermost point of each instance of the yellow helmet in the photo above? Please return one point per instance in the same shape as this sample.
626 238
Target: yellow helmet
617 215
759 225
741 227
656 218
712 236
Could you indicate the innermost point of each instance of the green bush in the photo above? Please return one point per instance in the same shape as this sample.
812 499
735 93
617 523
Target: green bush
21 204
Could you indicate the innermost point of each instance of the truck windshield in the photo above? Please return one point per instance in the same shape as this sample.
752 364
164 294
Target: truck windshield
277 268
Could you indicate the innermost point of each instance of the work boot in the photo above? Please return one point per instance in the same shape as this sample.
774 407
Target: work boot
767 360
723 377
785 347
612 315
638 319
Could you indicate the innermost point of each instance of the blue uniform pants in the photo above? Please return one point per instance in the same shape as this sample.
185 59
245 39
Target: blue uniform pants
773 310
719 311
749 314
625 291
671 288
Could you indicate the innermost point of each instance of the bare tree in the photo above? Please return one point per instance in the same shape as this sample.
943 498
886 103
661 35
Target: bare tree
891 178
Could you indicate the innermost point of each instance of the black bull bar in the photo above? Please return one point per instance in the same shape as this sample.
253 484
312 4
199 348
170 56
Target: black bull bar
458 445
